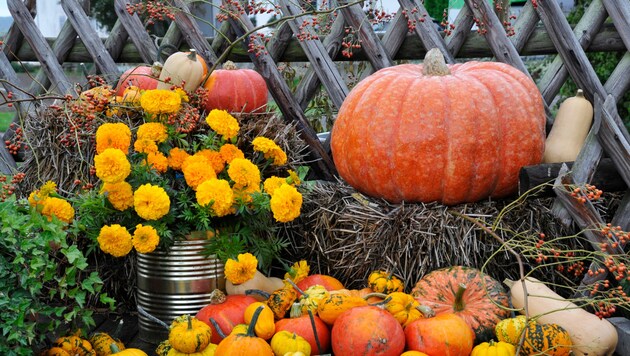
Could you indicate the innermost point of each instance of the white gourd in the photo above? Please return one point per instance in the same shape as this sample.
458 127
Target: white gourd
569 129
180 67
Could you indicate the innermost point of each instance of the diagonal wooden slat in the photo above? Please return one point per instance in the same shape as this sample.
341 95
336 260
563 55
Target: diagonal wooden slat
290 108
318 56
424 28
139 36
115 42
14 37
556 73
501 46
8 75
619 81
395 35
192 33
89 37
524 26
619 12
463 25
43 52
371 44
281 39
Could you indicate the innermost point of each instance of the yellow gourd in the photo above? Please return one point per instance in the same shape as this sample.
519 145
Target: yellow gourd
265 325
494 348
569 130
179 67
590 335
285 341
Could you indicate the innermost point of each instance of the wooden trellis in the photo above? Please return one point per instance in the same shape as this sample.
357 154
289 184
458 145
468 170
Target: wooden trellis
540 28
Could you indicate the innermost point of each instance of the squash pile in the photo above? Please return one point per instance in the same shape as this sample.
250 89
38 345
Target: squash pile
98 344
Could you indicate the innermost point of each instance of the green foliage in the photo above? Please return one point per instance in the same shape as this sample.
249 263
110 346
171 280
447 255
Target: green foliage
103 12
436 8
5 120
37 295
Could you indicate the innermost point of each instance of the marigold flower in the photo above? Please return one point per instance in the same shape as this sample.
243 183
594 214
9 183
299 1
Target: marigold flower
115 240
195 159
223 123
244 173
38 196
298 271
286 203
154 131
145 239
229 152
272 183
182 94
157 161
242 269
244 194
145 146
293 178
176 158
113 135
217 193
151 202
215 159
197 172
58 207
112 165
270 150
160 101
120 195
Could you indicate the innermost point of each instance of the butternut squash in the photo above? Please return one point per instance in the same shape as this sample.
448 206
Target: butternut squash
569 129
590 335
259 281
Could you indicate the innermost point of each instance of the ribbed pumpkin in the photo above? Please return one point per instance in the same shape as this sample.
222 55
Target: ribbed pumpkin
101 342
227 311
367 331
143 77
385 282
546 339
475 297
127 352
183 67
432 132
510 330
189 336
75 345
444 335
494 348
236 90
248 344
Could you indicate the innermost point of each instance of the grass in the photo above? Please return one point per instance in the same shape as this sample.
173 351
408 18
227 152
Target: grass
5 120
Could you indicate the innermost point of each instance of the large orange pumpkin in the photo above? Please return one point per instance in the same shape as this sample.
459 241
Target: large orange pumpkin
367 330
445 335
433 132
236 90
467 292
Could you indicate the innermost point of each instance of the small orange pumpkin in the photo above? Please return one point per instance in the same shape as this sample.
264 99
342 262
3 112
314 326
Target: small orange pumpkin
238 344
445 334
236 90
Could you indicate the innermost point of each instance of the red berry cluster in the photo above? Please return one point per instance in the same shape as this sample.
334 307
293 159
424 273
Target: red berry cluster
481 26
256 44
186 120
16 143
588 192
350 42
411 17
448 27
154 10
9 188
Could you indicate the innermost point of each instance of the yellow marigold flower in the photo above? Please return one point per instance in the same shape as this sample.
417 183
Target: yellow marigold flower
182 94
218 193
58 207
244 173
286 203
245 193
272 183
145 146
293 178
151 202
298 271
195 159
215 159
113 135
197 172
145 239
176 158
38 196
160 101
112 165
120 195
242 269
157 161
270 150
229 152
223 123
154 131
115 240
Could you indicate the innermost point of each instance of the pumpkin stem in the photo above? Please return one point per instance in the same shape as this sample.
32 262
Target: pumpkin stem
229 65
296 311
251 329
459 298
314 327
217 328
190 327
375 294
114 348
579 93
116 332
192 55
434 64
152 318
426 311
217 297
261 293
295 286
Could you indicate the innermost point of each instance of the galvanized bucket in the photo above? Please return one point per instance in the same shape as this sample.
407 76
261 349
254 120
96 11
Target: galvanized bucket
173 283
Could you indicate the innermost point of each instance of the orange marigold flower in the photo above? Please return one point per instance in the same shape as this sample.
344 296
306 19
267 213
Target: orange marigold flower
216 193
223 123
270 150
229 152
215 159
112 165
160 101
176 158
272 183
151 202
242 269
145 146
145 238
113 135
197 172
286 203
244 173
58 207
154 131
120 195
115 240
157 161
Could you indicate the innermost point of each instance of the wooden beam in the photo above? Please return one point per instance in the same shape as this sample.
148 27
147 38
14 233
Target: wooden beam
136 31
424 27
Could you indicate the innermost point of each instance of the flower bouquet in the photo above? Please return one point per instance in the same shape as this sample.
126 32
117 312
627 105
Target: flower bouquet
165 172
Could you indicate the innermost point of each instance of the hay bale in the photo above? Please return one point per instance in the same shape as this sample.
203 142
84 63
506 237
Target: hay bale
347 235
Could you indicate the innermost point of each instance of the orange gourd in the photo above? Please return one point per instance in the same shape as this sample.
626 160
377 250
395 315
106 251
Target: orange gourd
238 344
236 90
433 132
476 297
445 334
368 331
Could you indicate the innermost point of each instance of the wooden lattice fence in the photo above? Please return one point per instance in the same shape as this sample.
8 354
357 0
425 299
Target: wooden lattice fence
541 28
